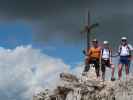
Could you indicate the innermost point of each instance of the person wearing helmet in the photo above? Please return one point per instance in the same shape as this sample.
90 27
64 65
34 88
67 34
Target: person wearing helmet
106 60
124 51
93 57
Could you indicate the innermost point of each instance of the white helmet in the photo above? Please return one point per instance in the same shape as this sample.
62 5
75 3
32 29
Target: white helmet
123 38
105 42
94 40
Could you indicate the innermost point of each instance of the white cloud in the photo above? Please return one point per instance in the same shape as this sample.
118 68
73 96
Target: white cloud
24 70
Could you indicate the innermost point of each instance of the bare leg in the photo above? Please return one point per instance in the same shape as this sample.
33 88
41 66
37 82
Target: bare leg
113 70
120 71
127 71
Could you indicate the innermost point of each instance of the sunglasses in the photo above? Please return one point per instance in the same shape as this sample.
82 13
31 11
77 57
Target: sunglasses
124 40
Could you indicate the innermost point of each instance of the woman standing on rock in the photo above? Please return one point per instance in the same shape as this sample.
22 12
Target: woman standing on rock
125 50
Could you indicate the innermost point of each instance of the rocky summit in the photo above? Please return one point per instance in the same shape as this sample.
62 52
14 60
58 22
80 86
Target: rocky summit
88 88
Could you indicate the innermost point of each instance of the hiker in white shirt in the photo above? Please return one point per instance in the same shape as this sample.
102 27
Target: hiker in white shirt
124 51
106 60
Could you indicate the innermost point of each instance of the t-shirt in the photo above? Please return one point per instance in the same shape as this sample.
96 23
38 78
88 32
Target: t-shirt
105 53
125 50
94 53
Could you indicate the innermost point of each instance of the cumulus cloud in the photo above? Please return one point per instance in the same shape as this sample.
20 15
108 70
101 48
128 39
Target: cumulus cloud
24 70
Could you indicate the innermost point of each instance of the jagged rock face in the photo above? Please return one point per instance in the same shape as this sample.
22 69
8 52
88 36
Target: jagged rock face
88 88
68 77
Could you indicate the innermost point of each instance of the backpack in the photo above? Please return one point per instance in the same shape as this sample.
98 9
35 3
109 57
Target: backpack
128 48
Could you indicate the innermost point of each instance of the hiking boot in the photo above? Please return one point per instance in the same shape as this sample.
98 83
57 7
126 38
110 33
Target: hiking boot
112 79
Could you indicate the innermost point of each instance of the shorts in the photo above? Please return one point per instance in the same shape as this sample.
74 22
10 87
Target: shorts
96 65
95 62
104 64
124 60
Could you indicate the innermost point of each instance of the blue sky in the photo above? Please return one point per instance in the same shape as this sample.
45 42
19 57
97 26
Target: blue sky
52 26
20 32
13 33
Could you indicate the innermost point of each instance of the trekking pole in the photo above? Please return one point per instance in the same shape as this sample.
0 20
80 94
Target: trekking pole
100 62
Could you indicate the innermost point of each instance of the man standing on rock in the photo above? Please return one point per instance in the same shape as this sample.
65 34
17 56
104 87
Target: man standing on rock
106 60
124 51
93 57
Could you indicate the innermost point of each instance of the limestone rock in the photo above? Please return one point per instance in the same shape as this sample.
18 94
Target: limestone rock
68 77
88 88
